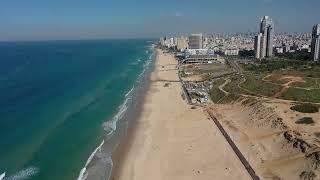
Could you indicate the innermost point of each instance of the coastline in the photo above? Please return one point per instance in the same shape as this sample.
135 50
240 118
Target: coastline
100 163
171 140
118 155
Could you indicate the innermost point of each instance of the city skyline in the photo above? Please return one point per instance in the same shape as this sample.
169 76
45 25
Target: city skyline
46 20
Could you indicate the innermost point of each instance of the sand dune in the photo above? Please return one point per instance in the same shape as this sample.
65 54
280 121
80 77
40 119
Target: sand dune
266 132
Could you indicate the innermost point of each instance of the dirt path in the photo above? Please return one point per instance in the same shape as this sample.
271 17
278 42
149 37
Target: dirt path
226 93
267 76
276 96
223 85
284 89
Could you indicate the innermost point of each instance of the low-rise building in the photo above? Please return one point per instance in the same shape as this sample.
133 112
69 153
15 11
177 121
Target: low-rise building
231 52
279 50
198 91
199 52
202 59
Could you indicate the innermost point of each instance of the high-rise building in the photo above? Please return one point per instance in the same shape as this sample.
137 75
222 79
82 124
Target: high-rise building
264 40
196 41
315 43
162 41
182 43
257 45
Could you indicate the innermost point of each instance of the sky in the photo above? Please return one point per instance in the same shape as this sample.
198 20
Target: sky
103 19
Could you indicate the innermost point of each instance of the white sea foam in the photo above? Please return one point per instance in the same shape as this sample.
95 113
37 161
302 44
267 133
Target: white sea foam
23 174
83 174
140 75
146 65
2 175
110 127
128 93
136 62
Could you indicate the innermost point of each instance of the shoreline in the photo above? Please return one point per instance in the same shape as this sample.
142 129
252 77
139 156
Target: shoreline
125 142
171 141
100 163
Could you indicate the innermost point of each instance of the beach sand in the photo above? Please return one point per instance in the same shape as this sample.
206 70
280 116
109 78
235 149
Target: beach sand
172 141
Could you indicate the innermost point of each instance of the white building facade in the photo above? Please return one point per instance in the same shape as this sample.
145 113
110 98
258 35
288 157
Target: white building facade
196 41
315 44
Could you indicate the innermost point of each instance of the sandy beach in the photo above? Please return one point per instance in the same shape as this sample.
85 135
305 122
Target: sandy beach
172 141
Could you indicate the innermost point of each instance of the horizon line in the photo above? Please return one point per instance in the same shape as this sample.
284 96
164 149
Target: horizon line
133 38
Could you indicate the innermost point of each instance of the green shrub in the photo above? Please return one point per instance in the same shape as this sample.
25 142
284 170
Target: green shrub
305 108
215 93
305 120
255 85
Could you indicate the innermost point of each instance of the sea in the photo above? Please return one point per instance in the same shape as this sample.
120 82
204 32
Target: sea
65 105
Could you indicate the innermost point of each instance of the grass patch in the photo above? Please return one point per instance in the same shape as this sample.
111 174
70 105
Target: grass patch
230 98
309 83
311 78
215 93
233 87
305 108
254 84
183 74
305 120
303 95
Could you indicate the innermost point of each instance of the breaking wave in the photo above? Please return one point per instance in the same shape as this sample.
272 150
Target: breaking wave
111 126
21 175
2 176
83 174
128 93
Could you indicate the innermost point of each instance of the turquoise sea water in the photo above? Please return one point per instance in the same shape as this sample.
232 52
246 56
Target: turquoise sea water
54 99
